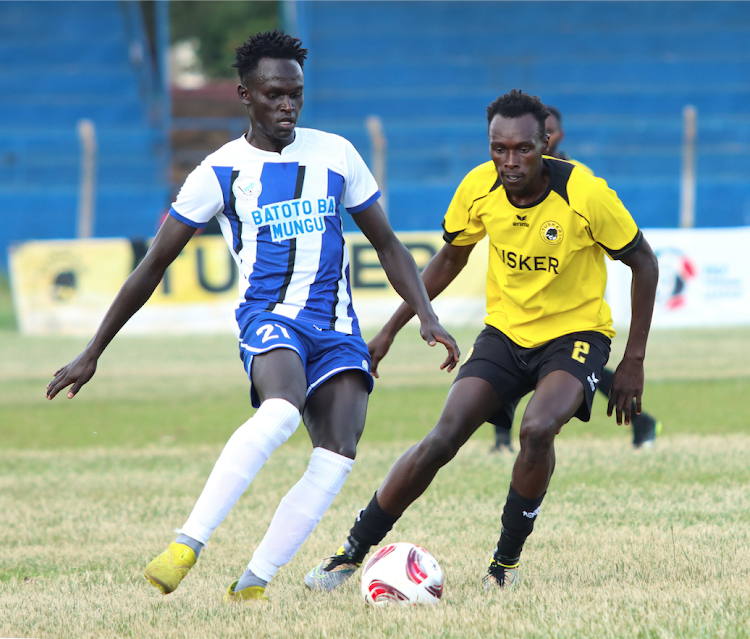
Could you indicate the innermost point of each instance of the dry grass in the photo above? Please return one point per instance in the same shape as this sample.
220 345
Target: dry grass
648 544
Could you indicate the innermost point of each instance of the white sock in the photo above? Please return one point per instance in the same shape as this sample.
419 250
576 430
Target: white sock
300 511
243 456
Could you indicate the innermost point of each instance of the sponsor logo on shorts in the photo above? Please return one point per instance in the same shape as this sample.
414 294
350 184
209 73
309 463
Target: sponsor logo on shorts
591 379
364 365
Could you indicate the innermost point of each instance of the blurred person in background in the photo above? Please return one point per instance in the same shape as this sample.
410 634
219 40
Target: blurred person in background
645 426
276 193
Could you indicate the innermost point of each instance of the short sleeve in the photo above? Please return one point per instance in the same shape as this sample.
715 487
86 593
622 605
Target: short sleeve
360 188
199 199
460 226
611 224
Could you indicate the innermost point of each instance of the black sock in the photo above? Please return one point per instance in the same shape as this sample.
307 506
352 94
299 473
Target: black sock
371 527
518 520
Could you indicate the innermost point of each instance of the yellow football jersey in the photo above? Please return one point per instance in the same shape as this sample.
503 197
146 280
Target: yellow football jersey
546 274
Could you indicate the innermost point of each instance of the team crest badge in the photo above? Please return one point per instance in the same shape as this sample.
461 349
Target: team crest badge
247 187
551 232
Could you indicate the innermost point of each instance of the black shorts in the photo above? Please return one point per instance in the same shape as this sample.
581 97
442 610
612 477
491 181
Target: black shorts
514 371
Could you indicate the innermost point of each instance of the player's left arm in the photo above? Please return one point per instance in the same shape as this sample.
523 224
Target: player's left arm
403 274
628 379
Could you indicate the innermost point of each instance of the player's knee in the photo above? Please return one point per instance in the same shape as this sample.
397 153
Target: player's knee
343 448
437 449
342 441
538 434
273 423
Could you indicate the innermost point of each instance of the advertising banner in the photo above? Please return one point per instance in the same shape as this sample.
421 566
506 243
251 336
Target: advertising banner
64 287
703 278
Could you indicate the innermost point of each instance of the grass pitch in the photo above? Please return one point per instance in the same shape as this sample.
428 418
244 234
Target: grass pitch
648 544
629 544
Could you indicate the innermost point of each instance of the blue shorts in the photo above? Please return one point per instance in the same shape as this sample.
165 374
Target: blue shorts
323 352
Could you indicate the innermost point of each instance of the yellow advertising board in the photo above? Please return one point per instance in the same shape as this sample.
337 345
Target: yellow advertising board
65 286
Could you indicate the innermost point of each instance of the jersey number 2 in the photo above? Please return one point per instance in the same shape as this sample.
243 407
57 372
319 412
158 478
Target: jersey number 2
580 350
267 330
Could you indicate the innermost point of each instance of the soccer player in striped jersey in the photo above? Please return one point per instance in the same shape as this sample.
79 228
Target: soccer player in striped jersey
645 426
276 193
548 327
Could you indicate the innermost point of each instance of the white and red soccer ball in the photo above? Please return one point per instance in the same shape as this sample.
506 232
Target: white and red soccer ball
402 573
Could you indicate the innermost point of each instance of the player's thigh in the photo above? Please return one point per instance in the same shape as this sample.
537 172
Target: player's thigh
274 357
335 413
488 387
557 398
582 355
279 373
471 402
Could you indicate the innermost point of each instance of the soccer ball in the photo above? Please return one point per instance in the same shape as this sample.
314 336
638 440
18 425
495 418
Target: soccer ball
402 573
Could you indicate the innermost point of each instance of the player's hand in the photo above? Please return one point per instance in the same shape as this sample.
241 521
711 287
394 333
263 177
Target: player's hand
432 333
77 373
627 385
379 347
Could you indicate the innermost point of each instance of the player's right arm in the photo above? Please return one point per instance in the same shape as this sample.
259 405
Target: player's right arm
441 270
135 292
462 231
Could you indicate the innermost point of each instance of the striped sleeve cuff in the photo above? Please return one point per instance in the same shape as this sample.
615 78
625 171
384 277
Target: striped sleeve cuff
184 220
449 237
367 203
627 250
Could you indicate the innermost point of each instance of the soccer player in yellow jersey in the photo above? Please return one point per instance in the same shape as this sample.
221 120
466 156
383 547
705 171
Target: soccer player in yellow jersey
645 426
548 329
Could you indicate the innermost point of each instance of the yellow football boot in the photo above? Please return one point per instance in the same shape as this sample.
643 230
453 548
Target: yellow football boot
258 593
169 569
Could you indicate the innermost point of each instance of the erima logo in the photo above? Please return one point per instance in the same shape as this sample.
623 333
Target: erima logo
591 379
521 221
533 514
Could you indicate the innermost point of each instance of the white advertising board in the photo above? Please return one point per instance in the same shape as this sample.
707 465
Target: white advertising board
703 278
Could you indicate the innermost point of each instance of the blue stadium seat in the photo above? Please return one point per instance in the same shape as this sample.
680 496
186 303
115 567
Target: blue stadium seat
621 73
61 62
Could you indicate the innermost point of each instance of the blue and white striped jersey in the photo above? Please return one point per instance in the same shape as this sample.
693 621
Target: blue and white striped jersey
279 214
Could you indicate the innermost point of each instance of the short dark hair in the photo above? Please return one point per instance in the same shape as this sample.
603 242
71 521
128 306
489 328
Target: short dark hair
517 103
270 44
556 112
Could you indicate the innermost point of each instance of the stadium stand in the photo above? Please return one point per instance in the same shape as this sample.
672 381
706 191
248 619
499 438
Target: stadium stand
61 62
620 72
